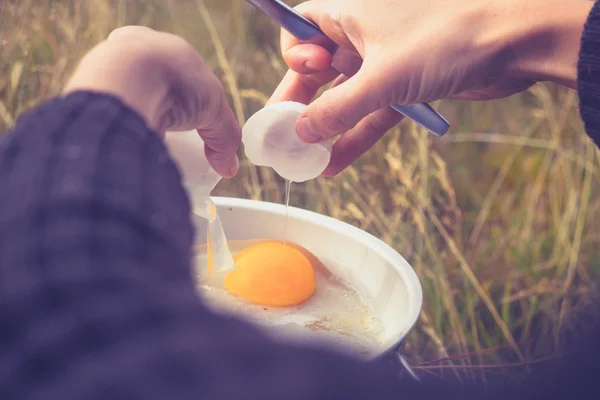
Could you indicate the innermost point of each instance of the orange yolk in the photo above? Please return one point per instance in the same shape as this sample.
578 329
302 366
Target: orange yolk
272 274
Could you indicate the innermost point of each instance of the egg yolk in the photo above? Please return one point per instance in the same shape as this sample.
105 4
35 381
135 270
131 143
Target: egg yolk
272 274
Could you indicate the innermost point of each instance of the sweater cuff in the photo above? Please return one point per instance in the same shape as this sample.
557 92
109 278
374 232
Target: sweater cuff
588 74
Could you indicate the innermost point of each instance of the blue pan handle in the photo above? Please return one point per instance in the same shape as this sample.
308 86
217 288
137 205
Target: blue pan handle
305 30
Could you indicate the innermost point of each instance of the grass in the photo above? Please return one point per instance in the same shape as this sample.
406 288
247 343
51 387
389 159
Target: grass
496 217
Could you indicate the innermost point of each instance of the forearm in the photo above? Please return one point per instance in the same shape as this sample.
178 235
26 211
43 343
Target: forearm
541 39
94 256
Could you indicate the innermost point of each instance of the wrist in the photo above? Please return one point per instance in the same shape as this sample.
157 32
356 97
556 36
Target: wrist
133 74
541 40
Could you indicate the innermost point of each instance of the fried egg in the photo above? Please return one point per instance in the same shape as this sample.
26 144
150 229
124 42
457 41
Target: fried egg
290 293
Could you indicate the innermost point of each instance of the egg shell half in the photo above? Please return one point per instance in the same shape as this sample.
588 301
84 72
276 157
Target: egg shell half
270 140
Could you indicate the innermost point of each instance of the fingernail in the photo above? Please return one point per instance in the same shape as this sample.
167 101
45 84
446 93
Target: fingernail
235 167
306 132
312 66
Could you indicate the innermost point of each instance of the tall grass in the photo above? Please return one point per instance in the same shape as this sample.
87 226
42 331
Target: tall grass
497 218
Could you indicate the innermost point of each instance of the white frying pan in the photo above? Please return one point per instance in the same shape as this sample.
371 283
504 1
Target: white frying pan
350 253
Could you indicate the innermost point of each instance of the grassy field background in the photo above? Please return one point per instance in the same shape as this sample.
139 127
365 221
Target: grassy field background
499 218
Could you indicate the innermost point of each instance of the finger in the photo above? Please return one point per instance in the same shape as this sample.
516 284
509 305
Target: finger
310 64
301 88
220 131
307 58
221 142
361 138
326 15
340 108
198 101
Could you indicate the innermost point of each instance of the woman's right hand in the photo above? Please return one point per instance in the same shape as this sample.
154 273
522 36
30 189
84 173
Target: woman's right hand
422 51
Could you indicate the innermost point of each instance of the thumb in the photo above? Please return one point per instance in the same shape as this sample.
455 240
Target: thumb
340 108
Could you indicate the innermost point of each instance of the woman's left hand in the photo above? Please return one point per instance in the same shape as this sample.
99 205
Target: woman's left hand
165 80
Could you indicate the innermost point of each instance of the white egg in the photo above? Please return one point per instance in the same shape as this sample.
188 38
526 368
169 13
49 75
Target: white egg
270 140
336 314
199 177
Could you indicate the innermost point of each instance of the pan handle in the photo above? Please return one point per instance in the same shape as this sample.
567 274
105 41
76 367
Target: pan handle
404 364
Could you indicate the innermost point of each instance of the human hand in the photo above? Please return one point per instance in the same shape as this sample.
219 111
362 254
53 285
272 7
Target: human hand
163 78
417 52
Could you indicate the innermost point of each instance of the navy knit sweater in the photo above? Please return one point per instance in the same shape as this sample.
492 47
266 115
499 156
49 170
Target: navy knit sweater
96 295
